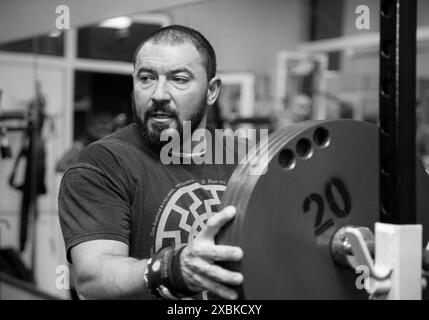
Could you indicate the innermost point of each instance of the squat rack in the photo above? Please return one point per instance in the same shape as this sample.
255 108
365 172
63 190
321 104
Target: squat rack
397 93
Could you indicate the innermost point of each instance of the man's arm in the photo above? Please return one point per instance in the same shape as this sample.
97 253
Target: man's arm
103 270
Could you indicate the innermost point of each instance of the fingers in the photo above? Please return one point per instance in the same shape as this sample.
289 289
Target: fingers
222 253
215 287
217 273
197 258
217 221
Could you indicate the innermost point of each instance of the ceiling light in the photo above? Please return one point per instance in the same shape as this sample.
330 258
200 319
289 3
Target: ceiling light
117 23
55 34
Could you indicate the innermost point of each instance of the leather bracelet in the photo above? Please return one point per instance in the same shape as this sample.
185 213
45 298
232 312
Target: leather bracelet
163 276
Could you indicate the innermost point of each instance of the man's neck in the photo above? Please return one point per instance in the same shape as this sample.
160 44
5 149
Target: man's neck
197 147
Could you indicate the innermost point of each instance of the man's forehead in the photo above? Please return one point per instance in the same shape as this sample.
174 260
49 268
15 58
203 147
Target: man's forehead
168 55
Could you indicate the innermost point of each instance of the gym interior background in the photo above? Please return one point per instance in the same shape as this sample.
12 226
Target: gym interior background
281 61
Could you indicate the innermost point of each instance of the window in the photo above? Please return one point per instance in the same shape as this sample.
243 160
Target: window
116 39
52 44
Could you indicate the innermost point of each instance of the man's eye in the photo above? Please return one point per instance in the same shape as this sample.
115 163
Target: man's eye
180 80
145 78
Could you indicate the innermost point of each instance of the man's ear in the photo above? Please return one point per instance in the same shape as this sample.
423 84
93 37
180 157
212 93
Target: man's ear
213 90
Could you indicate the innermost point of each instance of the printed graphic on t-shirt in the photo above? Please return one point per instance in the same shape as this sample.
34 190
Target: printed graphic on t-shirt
186 212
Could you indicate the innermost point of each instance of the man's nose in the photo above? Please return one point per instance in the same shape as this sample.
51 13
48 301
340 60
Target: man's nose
161 92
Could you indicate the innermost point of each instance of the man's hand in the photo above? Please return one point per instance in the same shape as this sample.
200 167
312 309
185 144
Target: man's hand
197 259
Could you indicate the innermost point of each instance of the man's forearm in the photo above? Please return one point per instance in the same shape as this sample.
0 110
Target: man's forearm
113 277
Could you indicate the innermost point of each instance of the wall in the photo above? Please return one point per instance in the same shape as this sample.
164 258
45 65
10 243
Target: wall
247 34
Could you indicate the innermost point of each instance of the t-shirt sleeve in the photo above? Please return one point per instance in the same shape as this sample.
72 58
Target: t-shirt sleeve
92 206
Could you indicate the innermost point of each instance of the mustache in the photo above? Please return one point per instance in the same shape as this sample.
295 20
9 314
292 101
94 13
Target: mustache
164 108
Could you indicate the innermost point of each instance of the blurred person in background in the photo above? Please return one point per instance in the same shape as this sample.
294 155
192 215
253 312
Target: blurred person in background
297 108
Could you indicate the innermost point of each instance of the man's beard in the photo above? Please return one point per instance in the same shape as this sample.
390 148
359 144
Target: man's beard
151 133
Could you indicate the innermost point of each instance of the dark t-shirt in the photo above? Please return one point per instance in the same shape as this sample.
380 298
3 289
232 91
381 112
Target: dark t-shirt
118 189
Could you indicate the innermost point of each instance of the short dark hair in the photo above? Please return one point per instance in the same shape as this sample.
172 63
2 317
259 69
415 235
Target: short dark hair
176 34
